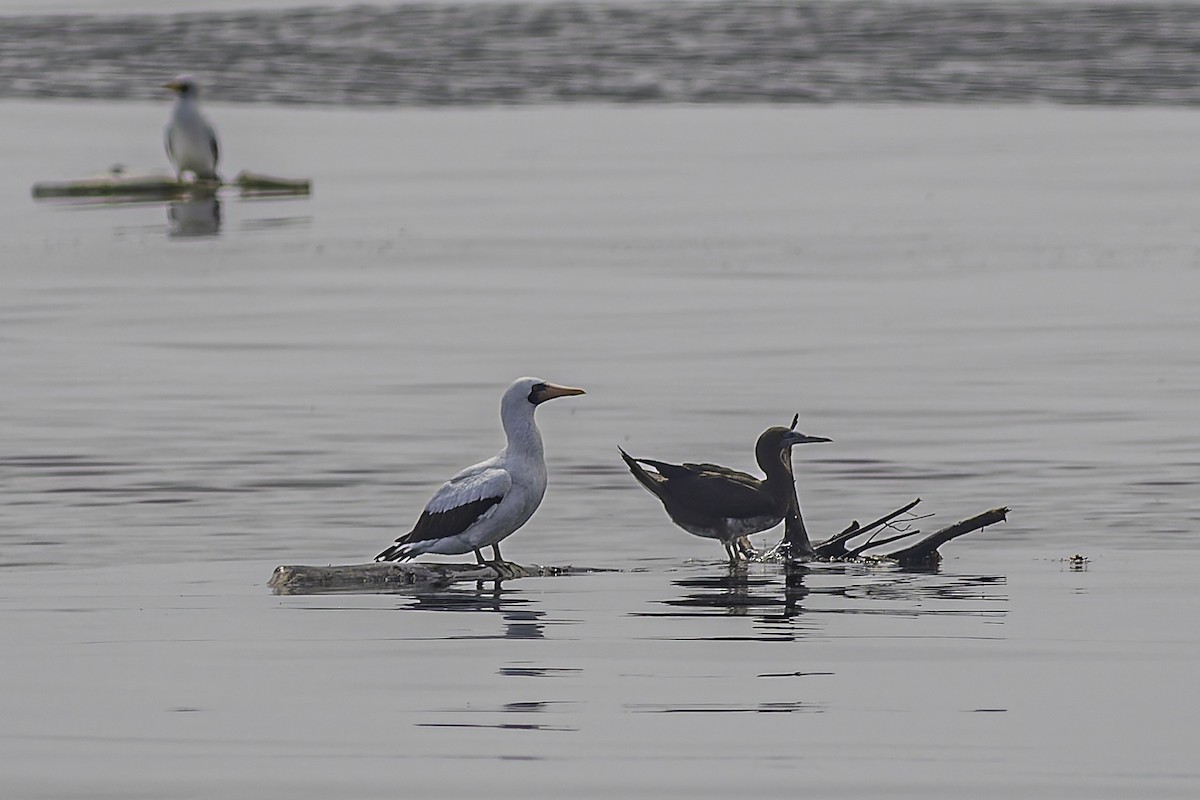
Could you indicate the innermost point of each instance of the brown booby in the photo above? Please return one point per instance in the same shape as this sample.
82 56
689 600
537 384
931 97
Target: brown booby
487 502
721 503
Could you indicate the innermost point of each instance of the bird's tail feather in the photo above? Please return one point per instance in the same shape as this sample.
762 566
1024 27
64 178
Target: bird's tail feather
397 552
639 472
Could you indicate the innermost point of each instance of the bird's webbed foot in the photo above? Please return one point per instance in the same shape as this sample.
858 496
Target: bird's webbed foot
745 548
740 550
505 570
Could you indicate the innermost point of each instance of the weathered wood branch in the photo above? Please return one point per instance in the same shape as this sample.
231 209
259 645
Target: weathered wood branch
254 183
418 576
835 546
872 543
926 550
922 553
119 184
390 576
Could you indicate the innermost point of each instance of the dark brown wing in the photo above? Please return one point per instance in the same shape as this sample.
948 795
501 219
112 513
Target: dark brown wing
703 490
718 493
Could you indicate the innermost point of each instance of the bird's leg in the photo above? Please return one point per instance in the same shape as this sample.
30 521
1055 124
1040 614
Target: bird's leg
746 548
479 557
500 565
728 544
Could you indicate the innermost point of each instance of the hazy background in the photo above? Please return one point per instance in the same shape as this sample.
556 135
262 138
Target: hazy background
973 264
651 52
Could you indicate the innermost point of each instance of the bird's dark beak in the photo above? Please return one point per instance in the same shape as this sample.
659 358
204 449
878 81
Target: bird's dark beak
553 390
795 437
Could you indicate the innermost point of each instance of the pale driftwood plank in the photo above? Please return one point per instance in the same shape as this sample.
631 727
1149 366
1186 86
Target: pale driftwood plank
390 576
116 185
256 183
120 184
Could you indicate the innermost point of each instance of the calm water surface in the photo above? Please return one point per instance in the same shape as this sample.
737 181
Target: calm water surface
978 308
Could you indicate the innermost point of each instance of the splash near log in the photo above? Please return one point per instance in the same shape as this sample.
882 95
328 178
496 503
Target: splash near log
118 184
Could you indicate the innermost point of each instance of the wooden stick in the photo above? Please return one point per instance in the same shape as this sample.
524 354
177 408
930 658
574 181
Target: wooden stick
390 576
925 551
117 185
150 186
862 548
255 183
835 547
410 576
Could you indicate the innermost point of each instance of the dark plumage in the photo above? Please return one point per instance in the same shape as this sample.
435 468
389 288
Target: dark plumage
721 503
440 525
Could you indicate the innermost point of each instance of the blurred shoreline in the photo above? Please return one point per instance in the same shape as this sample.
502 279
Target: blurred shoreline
673 51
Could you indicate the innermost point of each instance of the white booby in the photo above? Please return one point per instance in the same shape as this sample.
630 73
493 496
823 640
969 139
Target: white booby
191 140
484 503
721 503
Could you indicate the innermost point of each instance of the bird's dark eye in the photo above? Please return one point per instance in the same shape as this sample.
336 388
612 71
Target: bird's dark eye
535 393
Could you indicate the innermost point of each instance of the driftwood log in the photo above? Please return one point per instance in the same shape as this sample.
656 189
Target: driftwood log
118 184
390 576
923 553
415 576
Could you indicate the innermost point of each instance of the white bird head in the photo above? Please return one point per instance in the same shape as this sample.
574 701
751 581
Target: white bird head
517 405
183 85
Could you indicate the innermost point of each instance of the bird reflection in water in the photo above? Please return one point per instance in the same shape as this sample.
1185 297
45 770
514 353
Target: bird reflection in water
782 606
738 592
524 625
773 600
520 622
194 216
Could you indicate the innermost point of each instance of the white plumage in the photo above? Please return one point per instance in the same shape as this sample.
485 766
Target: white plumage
190 139
487 502
474 483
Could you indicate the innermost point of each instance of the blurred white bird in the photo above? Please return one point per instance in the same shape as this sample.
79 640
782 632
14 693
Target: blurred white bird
191 141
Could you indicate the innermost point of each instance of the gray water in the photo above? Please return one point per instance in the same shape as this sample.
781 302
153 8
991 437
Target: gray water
980 306
446 53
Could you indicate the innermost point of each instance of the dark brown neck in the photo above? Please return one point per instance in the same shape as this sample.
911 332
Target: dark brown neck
778 469
795 534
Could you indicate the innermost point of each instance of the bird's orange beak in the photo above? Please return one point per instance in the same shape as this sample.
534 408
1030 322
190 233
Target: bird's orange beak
553 390
174 86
